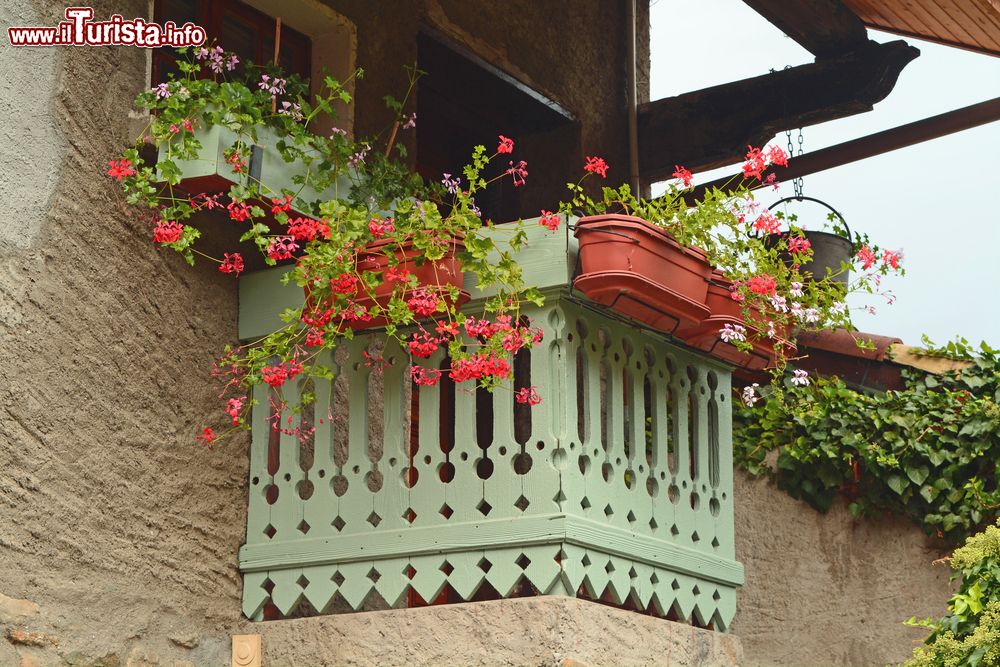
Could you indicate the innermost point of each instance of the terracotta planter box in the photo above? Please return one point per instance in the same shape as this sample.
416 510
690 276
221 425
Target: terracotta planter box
445 272
209 171
636 269
705 335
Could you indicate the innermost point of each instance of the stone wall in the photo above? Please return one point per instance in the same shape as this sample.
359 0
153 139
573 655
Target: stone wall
826 589
119 535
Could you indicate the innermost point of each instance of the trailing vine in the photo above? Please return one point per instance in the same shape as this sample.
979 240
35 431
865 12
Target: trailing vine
930 452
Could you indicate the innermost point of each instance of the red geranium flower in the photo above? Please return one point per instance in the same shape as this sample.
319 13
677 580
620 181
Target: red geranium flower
167 231
528 395
120 169
232 263
763 284
596 165
550 220
683 174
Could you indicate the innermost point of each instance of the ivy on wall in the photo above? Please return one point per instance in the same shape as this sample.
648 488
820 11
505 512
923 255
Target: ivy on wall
930 452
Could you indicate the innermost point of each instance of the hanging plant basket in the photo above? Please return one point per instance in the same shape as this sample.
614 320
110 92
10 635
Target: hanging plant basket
437 276
706 335
640 271
831 252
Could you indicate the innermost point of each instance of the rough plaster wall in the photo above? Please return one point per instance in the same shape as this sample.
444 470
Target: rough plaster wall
29 135
824 589
114 522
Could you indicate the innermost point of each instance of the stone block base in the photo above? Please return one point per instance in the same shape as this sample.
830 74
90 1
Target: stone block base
538 631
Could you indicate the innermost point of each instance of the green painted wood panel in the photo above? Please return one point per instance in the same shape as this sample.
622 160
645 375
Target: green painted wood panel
276 174
618 485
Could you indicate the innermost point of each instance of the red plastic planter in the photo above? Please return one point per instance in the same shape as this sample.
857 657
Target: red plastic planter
705 335
444 272
640 271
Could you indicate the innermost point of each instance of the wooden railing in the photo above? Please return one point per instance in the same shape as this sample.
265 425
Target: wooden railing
617 487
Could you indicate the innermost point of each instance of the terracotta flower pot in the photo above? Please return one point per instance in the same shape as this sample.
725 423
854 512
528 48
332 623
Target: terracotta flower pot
705 335
640 271
442 273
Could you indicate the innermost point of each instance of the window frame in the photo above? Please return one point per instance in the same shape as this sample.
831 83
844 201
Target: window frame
210 15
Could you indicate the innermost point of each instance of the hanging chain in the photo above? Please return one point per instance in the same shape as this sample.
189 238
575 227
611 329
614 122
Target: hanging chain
796 183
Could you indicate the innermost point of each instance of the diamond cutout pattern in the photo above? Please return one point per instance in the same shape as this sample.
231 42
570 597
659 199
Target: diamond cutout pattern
509 569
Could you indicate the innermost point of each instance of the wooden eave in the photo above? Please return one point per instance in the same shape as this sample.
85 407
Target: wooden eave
966 24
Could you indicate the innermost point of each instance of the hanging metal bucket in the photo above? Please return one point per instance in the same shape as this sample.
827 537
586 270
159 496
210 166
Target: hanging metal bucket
832 253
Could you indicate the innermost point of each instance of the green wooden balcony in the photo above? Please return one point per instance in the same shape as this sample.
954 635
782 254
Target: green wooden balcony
617 487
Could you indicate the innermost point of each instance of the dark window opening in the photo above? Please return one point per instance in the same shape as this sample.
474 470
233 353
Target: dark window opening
236 27
463 101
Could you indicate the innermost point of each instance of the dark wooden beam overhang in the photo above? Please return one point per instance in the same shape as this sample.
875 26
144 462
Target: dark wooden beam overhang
712 127
824 28
871 145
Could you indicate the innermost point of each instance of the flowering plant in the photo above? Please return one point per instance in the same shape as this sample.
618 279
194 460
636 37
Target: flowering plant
764 268
372 243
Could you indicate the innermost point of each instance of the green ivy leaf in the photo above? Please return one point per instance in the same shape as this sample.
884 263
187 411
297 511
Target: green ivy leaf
929 493
896 483
917 474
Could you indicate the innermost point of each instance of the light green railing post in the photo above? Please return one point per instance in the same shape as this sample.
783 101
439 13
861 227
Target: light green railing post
617 486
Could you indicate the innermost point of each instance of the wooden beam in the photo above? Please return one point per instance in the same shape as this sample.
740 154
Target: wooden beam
711 128
825 28
873 144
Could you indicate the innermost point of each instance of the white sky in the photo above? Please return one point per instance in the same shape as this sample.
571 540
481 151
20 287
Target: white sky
937 200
